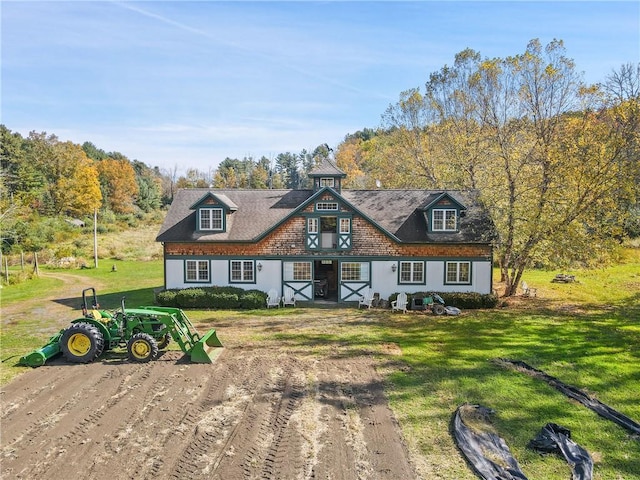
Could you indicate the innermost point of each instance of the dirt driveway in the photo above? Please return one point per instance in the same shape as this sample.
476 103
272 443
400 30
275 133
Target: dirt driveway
261 411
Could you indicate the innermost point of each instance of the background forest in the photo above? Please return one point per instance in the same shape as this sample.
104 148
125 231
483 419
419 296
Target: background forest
555 161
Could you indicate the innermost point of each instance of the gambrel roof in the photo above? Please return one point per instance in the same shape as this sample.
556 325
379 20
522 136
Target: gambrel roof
400 214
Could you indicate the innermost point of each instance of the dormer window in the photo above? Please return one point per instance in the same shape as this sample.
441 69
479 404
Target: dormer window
211 219
444 220
212 212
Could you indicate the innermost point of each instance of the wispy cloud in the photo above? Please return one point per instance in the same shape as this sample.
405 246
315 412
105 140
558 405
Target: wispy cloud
199 81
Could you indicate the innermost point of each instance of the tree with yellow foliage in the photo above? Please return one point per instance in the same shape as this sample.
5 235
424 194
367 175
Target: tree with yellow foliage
118 183
70 180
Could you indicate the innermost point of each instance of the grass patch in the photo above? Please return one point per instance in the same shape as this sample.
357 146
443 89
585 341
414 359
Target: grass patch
587 334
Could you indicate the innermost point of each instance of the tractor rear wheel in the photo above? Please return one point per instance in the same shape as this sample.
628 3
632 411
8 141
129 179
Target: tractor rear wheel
142 348
81 343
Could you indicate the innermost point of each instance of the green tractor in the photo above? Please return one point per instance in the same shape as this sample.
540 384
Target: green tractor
143 331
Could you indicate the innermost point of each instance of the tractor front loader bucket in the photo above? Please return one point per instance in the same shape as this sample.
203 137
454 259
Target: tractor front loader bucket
201 349
206 349
37 358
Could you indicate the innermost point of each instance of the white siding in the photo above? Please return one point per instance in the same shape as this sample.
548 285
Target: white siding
269 277
385 281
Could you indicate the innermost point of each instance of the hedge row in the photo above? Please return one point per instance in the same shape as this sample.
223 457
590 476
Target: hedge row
219 298
465 300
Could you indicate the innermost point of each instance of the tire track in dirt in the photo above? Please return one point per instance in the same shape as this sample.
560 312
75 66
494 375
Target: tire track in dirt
256 413
213 421
87 417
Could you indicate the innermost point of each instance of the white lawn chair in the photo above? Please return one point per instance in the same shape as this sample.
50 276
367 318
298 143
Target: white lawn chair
289 297
273 299
400 303
366 299
527 291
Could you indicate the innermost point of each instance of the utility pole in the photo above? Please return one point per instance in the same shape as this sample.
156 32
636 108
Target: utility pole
95 237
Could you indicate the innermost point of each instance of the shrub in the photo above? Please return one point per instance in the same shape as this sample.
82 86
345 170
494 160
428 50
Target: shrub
224 298
253 299
470 300
167 298
190 298
224 301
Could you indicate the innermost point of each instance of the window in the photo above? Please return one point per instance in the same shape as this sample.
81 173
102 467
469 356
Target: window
312 225
210 219
327 182
458 272
444 219
197 271
298 271
326 206
354 271
242 271
411 272
345 225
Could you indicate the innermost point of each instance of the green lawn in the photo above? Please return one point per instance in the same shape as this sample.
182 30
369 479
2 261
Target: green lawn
587 334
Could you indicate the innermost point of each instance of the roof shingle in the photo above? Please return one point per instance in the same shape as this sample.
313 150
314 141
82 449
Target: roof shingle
399 213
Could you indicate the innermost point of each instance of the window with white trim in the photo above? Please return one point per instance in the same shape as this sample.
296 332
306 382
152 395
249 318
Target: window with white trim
444 219
411 272
458 272
197 270
312 225
242 271
210 219
297 271
354 271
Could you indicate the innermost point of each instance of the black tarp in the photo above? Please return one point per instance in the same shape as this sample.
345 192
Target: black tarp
553 438
577 394
482 448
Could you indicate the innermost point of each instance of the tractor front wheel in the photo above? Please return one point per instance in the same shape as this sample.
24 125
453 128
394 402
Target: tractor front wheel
81 343
164 342
142 348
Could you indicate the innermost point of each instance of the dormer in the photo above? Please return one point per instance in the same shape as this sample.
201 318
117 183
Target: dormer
211 213
327 175
443 214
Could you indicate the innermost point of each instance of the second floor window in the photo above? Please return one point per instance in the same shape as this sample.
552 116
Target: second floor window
210 219
444 219
326 206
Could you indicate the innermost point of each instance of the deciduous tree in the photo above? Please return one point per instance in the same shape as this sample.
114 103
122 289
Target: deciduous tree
118 182
521 130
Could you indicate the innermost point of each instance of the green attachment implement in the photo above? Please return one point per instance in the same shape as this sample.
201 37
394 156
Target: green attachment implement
39 357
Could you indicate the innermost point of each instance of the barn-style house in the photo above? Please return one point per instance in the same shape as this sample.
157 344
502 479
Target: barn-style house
328 243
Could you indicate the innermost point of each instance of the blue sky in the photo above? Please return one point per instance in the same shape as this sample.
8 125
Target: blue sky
187 84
